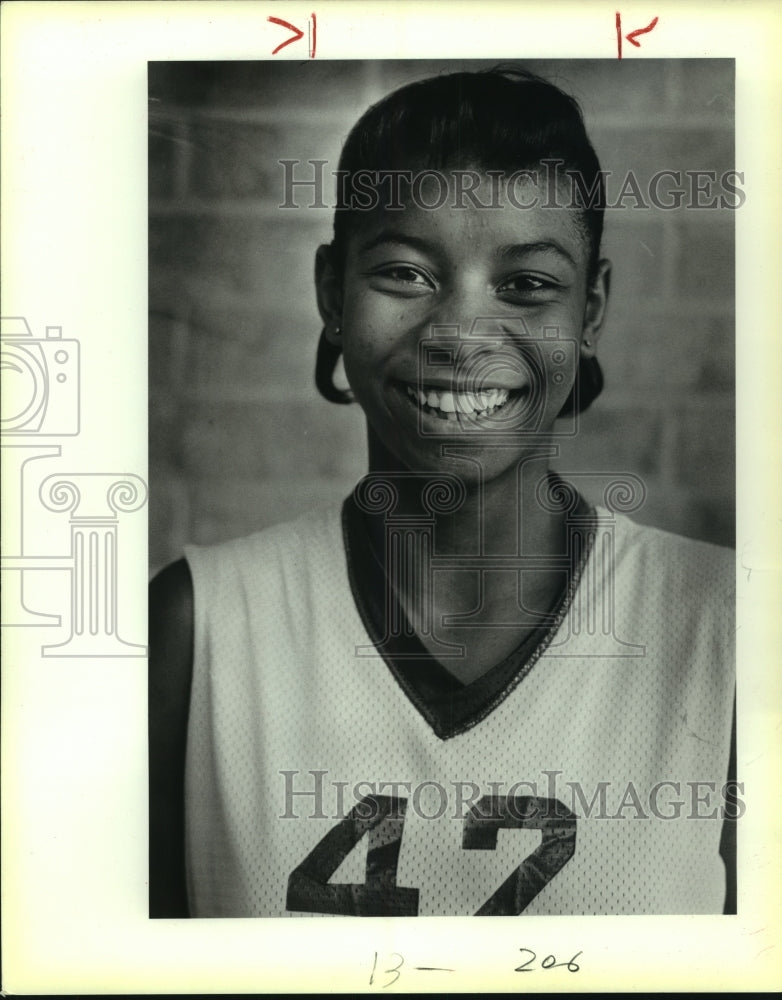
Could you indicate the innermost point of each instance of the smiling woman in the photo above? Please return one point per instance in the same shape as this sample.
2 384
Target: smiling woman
429 270
344 707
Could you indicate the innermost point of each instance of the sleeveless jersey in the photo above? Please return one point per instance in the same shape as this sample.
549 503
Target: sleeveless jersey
593 782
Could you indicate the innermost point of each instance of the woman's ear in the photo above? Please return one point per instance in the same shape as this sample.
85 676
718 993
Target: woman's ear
328 288
595 309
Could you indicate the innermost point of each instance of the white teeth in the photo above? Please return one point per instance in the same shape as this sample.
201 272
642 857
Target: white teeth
479 404
447 404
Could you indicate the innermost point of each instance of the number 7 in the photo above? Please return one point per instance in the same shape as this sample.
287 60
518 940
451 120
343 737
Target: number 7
493 813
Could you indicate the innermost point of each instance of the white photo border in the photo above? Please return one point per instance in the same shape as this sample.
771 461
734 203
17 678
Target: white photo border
74 167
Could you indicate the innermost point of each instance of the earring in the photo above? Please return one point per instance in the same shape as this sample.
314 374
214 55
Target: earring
332 334
587 342
329 350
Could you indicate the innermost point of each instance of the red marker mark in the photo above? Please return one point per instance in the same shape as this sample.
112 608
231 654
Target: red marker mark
297 34
631 38
286 24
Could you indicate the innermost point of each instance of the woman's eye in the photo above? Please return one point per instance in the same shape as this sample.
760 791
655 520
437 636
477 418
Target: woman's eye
526 285
402 276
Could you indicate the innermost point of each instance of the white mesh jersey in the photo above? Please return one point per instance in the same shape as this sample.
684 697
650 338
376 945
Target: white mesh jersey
591 784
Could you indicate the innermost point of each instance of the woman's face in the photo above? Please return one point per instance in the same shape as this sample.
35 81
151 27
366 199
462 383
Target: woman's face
465 326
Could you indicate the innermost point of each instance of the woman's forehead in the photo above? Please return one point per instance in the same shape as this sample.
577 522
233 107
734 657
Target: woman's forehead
476 212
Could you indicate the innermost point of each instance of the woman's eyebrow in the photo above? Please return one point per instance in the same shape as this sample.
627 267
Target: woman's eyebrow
390 236
514 251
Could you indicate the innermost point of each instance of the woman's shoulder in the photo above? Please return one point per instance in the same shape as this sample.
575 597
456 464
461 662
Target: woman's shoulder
690 567
304 535
690 550
169 681
171 609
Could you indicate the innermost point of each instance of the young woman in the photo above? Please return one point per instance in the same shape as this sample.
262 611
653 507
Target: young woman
467 691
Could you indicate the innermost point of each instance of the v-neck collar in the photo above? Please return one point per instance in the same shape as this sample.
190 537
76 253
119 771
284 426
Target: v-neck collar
449 706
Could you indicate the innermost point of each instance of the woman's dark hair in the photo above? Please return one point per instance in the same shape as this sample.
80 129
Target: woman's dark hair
500 119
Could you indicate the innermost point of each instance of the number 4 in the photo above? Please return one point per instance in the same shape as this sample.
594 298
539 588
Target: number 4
382 817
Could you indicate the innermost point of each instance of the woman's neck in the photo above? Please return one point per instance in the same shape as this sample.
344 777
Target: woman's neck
506 515
501 516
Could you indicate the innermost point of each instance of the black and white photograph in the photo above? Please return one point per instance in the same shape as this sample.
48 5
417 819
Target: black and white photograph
390 405
441 410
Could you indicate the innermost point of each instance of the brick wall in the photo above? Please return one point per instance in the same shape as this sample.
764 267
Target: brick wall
239 437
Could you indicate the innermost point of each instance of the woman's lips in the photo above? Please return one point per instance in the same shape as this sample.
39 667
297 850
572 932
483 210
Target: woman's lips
446 404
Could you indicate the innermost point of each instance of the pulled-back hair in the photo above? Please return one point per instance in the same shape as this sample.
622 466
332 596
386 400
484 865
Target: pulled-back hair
500 120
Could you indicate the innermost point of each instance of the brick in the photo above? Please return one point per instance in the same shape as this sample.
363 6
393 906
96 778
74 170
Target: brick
211 255
614 439
163 151
179 83
164 425
279 358
240 159
161 348
232 159
274 440
672 507
230 315
668 506
646 151
628 88
636 251
706 260
707 87
229 508
165 289
248 298
309 85
705 447
684 511
718 368
175 241
265 84
168 515
666 354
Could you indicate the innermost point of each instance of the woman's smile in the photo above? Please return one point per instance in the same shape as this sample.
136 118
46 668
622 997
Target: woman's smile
448 405
464 322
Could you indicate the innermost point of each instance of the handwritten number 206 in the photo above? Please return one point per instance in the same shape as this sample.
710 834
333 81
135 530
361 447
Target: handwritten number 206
549 962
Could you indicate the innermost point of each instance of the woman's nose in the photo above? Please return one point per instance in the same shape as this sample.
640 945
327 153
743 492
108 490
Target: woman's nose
468 312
